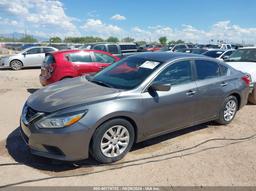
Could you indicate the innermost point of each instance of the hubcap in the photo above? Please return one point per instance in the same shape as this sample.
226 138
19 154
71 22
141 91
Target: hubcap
16 65
115 141
230 110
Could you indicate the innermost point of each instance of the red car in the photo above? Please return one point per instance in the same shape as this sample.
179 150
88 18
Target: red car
72 63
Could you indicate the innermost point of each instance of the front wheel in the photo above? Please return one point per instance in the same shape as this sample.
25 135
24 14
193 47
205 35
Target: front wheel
228 110
16 64
112 140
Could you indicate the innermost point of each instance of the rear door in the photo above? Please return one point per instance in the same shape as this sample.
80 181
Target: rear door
82 62
211 85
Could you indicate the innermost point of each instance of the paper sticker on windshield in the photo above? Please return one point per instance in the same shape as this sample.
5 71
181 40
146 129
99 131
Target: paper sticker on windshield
149 64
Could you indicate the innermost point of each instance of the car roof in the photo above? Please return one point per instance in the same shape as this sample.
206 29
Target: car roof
217 50
77 50
252 47
32 47
166 56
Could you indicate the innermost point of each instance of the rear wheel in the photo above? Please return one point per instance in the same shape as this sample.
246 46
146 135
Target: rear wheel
112 140
252 96
228 110
16 64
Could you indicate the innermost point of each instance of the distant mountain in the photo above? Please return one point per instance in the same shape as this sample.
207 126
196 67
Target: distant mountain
18 35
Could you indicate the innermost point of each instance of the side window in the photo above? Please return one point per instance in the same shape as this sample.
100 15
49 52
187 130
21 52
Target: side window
178 73
46 50
207 69
179 47
103 58
80 57
34 51
113 49
100 47
228 53
224 70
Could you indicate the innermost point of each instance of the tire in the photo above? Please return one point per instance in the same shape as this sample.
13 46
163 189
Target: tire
229 109
16 64
252 96
102 141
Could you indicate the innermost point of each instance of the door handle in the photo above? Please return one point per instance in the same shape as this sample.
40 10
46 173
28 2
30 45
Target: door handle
101 67
191 93
223 84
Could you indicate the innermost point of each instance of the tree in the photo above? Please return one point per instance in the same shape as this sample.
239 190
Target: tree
128 39
140 43
28 38
83 40
112 39
180 41
55 39
163 40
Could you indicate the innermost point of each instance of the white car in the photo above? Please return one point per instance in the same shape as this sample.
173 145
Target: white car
29 57
244 59
219 54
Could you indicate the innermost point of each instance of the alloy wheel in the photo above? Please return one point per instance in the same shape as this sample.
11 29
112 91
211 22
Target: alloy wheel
115 141
230 110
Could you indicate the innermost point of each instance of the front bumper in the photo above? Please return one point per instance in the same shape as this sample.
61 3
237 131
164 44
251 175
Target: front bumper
67 144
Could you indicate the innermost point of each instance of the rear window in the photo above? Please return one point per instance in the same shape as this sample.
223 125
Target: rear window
214 54
80 57
49 59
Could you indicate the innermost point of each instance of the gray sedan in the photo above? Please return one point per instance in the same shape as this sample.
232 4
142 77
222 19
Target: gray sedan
29 57
137 98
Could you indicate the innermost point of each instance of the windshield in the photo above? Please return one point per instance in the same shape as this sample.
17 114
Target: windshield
126 74
214 54
243 55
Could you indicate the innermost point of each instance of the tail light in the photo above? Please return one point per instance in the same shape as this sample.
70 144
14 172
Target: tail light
247 80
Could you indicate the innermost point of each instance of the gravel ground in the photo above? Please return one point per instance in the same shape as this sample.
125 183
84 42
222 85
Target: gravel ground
204 155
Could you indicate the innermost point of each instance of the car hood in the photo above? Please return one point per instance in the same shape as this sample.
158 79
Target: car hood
246 67
70 92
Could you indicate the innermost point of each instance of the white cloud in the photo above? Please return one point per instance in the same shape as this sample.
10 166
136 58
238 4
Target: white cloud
6 21
45 14
118 17
97 27
223 30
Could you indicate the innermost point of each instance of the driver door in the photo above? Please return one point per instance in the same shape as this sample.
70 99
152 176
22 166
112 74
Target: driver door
168 111
33 57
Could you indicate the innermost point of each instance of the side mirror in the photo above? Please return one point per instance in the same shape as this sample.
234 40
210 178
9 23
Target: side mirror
160 87
24 53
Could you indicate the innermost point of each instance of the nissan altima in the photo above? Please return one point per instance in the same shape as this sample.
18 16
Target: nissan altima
134 99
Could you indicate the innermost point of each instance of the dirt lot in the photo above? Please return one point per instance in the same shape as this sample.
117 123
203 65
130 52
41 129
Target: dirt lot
204 155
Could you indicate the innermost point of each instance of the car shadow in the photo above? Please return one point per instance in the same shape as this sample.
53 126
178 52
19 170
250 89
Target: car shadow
27 68
32 90
20 152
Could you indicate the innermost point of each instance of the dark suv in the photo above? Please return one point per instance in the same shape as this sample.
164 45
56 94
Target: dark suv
118 49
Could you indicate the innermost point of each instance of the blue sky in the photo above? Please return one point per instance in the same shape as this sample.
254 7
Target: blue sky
191 20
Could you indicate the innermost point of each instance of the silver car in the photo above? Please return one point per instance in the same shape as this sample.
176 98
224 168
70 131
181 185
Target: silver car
134 99
29 57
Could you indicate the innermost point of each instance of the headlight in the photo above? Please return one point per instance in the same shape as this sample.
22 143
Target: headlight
60 121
